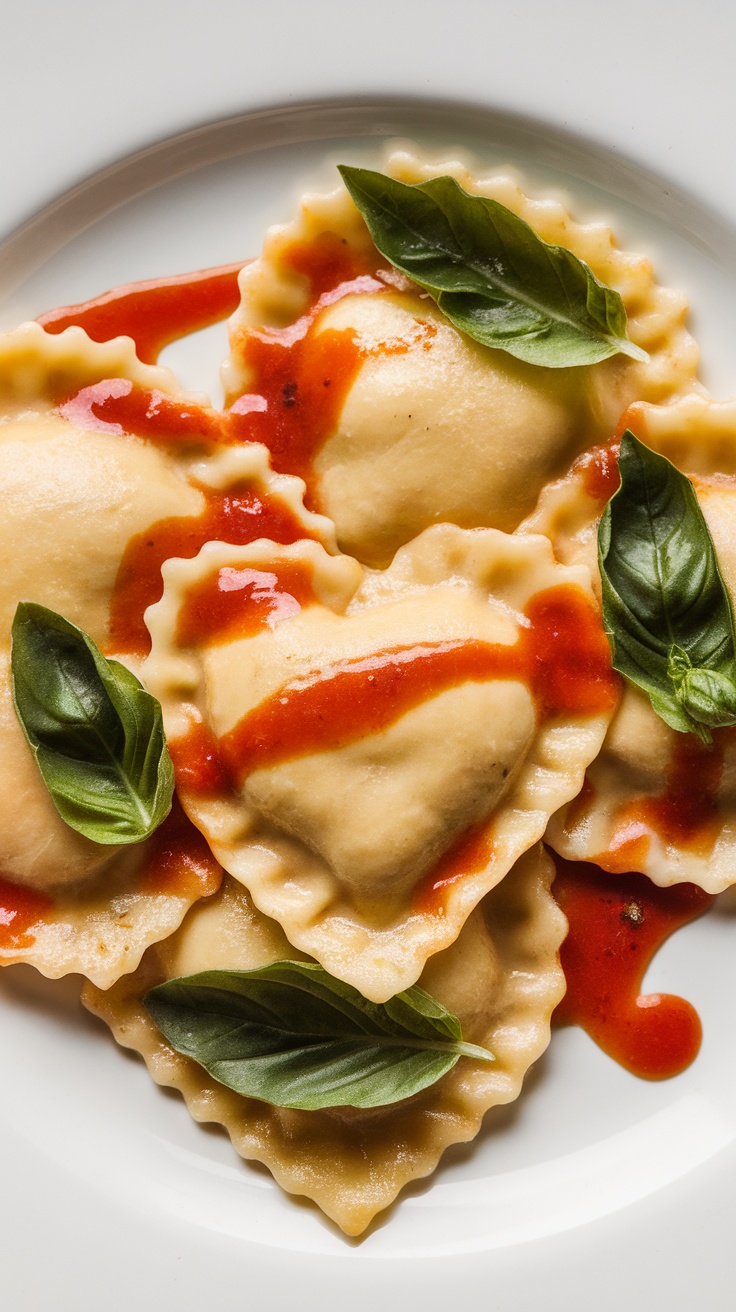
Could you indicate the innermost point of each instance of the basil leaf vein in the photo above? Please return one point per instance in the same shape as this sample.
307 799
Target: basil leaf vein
292 1035
490 273
666 608
96 733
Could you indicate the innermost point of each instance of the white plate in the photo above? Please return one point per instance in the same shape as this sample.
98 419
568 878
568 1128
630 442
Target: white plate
595 1187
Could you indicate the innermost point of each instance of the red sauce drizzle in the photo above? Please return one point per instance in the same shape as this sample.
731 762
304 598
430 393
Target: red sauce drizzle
599 470
120 407
236 601
238 516
685 815
197 763
598 467
20 910
153 313
178 860
563 655
300 376
472 852
617 923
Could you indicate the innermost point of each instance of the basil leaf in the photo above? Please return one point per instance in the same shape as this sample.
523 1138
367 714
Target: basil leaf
95 732
665 606
292 1035
489 272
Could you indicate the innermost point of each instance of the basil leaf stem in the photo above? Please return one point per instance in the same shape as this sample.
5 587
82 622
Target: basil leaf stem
292 1035
666 608
490 273
96 733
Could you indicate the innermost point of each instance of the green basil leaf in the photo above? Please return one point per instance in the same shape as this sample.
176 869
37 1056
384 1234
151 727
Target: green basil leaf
96 734
665 606
292 1035
489 272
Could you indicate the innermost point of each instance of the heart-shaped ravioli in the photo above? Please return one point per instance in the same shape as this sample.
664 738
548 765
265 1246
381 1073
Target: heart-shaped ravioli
369 752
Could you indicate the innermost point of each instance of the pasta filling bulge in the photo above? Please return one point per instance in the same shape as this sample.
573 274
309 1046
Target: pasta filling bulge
303 720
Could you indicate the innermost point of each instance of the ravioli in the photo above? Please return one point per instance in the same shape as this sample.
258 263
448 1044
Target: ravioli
76 492
370 752
371 744
655 800
501 978
396 419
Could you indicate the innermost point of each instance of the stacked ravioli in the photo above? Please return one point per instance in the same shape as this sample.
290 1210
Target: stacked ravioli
376 716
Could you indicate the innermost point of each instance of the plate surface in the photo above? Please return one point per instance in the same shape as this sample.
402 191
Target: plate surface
595 1184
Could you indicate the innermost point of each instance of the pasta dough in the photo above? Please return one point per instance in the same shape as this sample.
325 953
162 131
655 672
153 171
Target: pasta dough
431 426
655 800
501 977
337 808
76 491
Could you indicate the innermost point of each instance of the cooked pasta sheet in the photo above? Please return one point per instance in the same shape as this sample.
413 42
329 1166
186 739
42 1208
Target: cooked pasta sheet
422 424
305 700
501 978
77 491
74 492
655 800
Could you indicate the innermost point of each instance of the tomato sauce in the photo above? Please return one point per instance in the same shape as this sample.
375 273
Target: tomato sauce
237 601
117 406
599 471
598 467
153 313
563 656
237 516
617 924
472 852
299 374
178 860
20 910
685 816
197 764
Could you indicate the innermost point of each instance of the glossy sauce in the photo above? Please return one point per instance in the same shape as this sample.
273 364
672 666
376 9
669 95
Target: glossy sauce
237 601
685 816
178 860
153 313
237 516
300 376
117 406
197 764
617 923
20 910
599 471
563 657
473 852
599 466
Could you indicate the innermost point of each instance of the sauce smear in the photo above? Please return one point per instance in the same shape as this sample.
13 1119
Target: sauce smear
20 909
237 516
563 656
617 923
178 860
685 815
237 601
300 374
153 313
472 853
117 406
197 764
